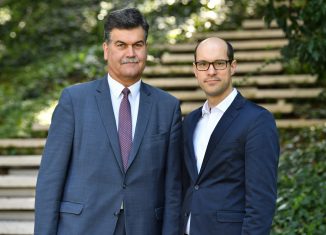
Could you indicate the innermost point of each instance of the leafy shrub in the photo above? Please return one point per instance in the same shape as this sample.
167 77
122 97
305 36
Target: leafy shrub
302 185
46 45
304 27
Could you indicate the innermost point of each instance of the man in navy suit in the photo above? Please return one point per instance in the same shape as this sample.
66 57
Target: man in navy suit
231 153
87 184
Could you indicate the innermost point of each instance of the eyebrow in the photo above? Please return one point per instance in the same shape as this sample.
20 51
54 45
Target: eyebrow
140 41
212 60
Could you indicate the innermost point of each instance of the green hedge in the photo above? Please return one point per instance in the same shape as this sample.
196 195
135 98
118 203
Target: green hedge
303 24
301 203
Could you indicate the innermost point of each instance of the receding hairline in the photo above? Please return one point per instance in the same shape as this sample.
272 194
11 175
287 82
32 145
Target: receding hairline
216 39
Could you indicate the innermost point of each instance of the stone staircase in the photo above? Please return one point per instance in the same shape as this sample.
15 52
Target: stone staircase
18 173
260 77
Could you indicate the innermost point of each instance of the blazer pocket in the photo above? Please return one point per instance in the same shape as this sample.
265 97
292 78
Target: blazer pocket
71 207
159 213
230 216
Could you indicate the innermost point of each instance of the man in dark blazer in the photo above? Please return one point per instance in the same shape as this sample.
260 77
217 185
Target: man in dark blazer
231 153
84 186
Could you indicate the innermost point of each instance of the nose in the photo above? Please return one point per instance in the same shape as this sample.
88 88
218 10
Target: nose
130 51
211 70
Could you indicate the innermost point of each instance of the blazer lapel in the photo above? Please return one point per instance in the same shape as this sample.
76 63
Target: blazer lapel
145 105
189 130
221 128
104 103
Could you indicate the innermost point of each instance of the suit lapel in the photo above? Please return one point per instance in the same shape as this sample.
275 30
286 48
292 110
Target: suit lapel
104 103
145 105
221 128
189 130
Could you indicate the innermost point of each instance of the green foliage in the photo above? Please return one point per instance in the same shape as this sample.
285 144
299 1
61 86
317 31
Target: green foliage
47 45
302 185
316 107
303 23
38 29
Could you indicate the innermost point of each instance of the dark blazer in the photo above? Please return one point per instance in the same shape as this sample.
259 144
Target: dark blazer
235 191
82 183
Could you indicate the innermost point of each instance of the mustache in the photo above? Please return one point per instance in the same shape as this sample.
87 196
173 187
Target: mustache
213 79
130 60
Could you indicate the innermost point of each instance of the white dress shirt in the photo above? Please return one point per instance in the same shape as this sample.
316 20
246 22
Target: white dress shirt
205 127
116 97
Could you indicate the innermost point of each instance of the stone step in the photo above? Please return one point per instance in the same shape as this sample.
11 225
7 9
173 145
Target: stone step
16 227
22 143
22 171
17 192
17 208
242 68
27 161
257 24
255 93
9 182
242 34
299 123
238 45
261 80
17 204
17 186
20 165
168 58
16 215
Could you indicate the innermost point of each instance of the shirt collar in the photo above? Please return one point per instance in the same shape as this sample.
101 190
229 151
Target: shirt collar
116 87
222 106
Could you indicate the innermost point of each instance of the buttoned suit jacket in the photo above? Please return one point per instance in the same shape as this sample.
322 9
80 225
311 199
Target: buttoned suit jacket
235 190
82 184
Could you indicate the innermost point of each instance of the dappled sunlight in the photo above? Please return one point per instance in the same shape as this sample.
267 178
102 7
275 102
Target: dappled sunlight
5 15
43 118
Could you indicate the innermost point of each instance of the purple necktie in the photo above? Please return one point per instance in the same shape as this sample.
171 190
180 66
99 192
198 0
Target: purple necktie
125 129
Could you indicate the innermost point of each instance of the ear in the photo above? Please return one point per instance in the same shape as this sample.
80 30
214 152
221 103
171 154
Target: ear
105 47
194 69
233 66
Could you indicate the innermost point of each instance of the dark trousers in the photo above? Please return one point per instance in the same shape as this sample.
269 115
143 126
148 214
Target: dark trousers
120 228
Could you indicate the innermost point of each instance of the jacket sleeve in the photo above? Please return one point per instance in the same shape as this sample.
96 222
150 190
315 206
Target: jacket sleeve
53 168
173 186
261 162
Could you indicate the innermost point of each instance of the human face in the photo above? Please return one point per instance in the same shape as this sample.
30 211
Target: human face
217 84
126 54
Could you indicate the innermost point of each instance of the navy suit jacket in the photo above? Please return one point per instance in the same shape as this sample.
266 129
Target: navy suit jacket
235 191
82 183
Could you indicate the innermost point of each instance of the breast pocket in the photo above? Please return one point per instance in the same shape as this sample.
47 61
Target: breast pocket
152 139
154 151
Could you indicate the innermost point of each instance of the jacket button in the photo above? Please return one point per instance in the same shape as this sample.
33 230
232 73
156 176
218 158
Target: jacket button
124 186
196 187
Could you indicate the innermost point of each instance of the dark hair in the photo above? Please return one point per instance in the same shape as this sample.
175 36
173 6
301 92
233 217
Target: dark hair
127 18
229 52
